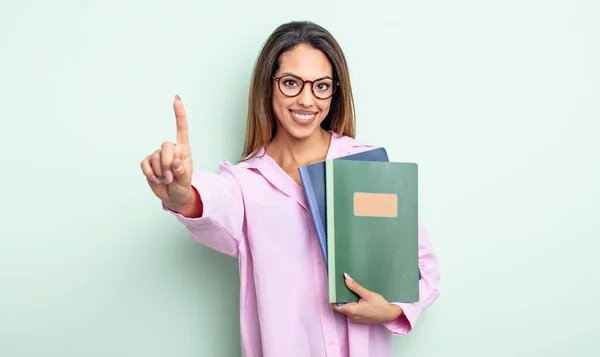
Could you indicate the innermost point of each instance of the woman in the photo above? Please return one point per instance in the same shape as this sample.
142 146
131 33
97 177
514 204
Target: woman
300 112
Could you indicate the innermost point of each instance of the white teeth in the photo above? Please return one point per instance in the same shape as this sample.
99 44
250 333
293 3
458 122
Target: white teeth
303 116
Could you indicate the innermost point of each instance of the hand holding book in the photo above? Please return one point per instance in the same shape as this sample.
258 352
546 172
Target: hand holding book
370 308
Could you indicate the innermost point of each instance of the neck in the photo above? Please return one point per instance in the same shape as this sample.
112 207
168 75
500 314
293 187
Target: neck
288 151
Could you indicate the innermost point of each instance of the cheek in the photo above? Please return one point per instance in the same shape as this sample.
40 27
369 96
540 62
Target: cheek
325 107
280 104
276 105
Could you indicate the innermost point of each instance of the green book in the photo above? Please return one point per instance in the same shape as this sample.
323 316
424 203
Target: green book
372 228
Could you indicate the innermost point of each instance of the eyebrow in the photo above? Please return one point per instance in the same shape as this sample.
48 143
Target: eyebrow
295 75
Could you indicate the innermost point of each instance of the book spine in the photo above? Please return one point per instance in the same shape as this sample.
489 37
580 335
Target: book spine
311 200
329 189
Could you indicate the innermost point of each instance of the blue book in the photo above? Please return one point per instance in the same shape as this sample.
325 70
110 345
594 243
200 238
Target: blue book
313 184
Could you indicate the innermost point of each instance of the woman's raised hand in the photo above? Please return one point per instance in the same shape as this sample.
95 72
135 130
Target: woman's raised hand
169 169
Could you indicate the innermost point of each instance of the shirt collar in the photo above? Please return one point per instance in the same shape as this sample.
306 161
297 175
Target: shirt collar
272 172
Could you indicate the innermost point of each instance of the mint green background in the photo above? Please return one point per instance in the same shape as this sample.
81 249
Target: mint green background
496 100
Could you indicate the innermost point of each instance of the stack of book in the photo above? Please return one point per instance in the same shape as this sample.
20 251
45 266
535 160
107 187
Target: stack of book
365 212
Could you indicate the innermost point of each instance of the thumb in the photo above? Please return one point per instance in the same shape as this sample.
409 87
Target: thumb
179 171
356 287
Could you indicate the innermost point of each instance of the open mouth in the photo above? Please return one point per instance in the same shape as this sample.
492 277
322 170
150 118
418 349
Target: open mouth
300 116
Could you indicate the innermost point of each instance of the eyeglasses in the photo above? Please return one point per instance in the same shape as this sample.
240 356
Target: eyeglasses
321 88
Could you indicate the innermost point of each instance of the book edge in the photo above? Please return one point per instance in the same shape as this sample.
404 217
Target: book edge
330 229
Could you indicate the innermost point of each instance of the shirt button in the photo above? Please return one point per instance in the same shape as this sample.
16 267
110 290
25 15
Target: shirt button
330 342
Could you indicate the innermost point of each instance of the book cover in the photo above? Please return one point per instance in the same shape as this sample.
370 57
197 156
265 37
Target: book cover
372 228
313 185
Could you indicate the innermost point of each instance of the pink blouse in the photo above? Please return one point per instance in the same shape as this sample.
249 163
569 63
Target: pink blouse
255 212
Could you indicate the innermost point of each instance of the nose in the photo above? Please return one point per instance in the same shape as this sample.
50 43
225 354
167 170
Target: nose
305 98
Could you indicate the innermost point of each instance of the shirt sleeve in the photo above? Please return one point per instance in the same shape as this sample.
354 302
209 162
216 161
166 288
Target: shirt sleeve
428 287
221 225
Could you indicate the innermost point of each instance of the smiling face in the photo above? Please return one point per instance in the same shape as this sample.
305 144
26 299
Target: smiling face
301 116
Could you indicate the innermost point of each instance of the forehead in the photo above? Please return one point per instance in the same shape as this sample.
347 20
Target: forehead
306 62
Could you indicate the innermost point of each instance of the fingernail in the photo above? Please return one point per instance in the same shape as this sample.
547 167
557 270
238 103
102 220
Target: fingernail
168 176
176 164
177 97
155 179
348 277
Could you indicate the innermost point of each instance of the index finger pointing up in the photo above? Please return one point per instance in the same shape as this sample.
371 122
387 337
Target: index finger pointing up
182 125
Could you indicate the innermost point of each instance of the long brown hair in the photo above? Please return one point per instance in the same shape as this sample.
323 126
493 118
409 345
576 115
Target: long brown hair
261 122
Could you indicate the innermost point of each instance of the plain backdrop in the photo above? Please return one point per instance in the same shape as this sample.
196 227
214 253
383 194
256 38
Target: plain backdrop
496 100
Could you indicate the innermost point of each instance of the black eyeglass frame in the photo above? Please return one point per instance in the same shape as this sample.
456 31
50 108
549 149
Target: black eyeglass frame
336 84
